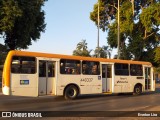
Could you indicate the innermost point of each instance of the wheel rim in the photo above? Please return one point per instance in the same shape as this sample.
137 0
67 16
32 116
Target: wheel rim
137 90
71 92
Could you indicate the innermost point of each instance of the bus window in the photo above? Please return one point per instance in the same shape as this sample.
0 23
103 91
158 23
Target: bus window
121 69
136 70
90 68
23 65
46 66
42 68
51 68
109 71
70 66
107 68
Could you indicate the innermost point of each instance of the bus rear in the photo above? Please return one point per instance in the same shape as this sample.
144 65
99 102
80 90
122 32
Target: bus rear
6 75
19 75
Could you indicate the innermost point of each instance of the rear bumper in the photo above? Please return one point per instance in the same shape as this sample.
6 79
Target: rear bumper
6 90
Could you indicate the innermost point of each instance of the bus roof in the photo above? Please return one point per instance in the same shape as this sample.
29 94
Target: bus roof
48 55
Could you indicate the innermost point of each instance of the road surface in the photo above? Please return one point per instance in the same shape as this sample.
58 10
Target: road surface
94 106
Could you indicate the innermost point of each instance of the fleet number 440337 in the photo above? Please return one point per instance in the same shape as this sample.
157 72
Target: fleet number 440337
86 79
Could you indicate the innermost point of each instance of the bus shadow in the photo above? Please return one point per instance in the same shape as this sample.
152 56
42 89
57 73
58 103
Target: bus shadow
157 90
90 96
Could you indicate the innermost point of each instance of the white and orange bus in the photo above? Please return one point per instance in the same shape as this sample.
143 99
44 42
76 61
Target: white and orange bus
37 74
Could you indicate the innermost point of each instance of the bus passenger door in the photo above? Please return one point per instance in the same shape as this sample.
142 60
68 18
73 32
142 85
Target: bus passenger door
147 78
106 78
46 84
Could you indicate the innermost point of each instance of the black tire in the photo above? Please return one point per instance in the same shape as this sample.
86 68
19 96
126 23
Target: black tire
137 90
71 92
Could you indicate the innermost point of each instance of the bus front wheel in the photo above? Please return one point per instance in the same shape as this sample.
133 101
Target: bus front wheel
137 90
71 92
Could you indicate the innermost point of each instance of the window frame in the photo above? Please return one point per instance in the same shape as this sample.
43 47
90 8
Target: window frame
121 71
136 71
21 68
70 67
89 69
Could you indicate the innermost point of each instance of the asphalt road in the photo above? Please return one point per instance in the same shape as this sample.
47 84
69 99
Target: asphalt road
98 105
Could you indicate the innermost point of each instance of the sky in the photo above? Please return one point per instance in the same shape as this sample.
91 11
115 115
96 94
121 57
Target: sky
67 23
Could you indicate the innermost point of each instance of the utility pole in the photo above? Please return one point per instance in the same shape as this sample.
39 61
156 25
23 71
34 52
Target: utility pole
98 31
118 35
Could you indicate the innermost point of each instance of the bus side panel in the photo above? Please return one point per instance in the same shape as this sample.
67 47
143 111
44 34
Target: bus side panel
124 84
24 85
64 80
88 84
91 84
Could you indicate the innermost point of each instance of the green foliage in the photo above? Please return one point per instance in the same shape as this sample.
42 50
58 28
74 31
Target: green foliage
150 17
112 33
157 55
104 17
3 53
9 11
126 15
82 49
136 44
102 52
139 26
21 22
124 52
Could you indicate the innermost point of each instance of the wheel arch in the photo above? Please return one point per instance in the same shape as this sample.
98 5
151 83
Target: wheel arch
139 84
70 85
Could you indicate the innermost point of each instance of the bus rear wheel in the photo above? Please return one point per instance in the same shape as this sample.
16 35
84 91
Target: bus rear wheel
137 90
71 92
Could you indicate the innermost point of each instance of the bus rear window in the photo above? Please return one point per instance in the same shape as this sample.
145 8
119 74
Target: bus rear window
23 65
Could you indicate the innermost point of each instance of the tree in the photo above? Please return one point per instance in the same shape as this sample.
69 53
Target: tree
157 58
104 52
9 10
82 49
157 55
3 53
21 22
139 26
